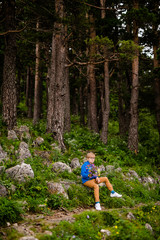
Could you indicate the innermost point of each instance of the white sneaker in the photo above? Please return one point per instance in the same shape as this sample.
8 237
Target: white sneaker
98 206
115 194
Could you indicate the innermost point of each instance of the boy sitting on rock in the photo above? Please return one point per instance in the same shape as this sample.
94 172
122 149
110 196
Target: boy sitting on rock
90 179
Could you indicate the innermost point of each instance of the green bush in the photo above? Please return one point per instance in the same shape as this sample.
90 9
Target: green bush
56 201
80 195
10 211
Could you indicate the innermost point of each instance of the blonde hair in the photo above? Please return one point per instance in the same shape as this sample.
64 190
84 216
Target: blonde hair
90 155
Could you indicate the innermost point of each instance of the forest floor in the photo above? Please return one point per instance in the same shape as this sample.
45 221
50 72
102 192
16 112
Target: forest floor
43 224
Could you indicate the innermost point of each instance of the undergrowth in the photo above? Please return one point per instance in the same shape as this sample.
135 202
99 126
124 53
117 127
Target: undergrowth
34 193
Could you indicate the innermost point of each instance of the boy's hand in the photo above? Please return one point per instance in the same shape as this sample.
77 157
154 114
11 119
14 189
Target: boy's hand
97 180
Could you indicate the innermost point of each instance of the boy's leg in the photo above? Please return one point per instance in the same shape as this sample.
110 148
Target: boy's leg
92 184
108 185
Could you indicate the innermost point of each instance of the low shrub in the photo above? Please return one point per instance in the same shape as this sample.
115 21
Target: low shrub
81 196
10 211
56 201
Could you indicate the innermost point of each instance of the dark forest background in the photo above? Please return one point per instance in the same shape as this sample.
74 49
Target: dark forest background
95 59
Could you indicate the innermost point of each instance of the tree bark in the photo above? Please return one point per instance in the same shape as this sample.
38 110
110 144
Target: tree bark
123 104
57 89
93 123
156 63
157 89
38 85
29 92
133 127
9 98
67 117
106 106
106 110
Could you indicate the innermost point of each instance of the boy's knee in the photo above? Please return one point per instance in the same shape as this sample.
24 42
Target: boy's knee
96 186
106 179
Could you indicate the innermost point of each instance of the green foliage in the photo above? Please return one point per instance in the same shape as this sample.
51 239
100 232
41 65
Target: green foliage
67 175
80 196
127 49
101 42
82 138
10 211
33 204
56 201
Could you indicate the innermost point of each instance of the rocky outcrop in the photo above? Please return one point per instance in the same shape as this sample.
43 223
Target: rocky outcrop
20 173
60 167
3 191
38 141
23 132
23 151
3 154
56 188
12 135
75 163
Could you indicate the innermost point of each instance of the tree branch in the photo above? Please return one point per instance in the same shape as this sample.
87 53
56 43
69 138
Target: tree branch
101 8
12 31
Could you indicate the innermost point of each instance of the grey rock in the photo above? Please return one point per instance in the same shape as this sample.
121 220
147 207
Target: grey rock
105 232
102 184
39 141
3 154
22 132
118 169
3 191
67 184
110 168
133 173
148 226
56 188
147 180
12 135
56 147
75 163
24 151
13 188
60 167
130 216
28 238
102 168
20 173
48 233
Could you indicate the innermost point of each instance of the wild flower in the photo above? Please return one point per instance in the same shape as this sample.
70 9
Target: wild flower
93 170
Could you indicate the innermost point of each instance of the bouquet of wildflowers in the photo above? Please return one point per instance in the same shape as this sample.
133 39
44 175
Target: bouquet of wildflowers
93 171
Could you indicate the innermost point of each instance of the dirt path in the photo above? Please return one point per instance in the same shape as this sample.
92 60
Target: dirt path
33 224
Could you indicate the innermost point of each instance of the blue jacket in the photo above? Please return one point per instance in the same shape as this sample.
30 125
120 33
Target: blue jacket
85 170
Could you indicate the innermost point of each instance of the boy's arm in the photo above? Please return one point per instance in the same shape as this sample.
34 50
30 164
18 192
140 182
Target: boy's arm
84 171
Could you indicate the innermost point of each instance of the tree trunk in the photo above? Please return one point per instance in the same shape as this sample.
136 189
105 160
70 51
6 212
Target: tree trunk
57 89
123 104
81 105
133 127
93 123
156 45
67 117
157 88
106 111
37 87
9 99
29 93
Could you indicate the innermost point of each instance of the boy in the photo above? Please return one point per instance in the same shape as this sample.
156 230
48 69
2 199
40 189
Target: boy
90 179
